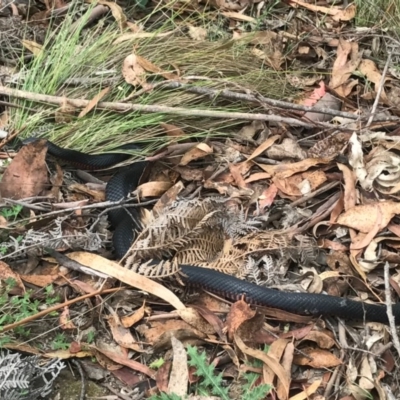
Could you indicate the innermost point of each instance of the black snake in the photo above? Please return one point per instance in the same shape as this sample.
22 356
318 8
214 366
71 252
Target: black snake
121 184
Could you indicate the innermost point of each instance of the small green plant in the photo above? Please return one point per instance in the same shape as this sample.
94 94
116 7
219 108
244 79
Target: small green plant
11 213
50 298
91 336
156 364
211 383
60 342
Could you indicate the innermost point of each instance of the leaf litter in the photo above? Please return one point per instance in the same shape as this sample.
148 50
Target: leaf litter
303 199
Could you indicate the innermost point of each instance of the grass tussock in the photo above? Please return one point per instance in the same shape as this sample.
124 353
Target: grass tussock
83 54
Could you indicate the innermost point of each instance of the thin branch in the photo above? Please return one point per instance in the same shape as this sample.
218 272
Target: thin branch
389 308
379 91
271 102
122 107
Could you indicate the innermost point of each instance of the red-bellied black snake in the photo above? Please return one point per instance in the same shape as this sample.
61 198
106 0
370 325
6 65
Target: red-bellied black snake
233 288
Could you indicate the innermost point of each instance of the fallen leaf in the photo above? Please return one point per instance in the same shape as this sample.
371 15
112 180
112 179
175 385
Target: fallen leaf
179 376
238 16
197 33
337 13
128 320
317 358
172 130
239 313
284 171
154 188
267 197
35 48
93 103
129 277
196 152
65 320
26 176
309 391
323 338
370 70
136 366
122 335
263 147
132 72
150 67
343 68
7 273
194 319
116 11
300 184
268 360
364 217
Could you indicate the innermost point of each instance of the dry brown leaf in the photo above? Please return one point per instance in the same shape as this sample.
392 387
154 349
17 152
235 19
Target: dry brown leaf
350 196
263 147
367 378
150 67
179 376
196 152
133 72
237 176
317 358
129 277
172 130
284 171
267 197
155 331
122 335
370 70
26 176
154 189
40 280
65 320
197 33
193 318
364 217
35 48
168 198
212 319
337 13
238 16
93 103
300 184
269 361
116 11
276 351
141 35
239 313
323 338
287 364
258 176
307 393
119 359
128 320
343 68
7 273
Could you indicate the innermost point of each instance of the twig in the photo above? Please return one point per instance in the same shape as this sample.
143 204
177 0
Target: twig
379 91
83 380
264 100
122 107
111 204
389 310
57 307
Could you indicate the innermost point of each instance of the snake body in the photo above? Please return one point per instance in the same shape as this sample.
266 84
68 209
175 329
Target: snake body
125 222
